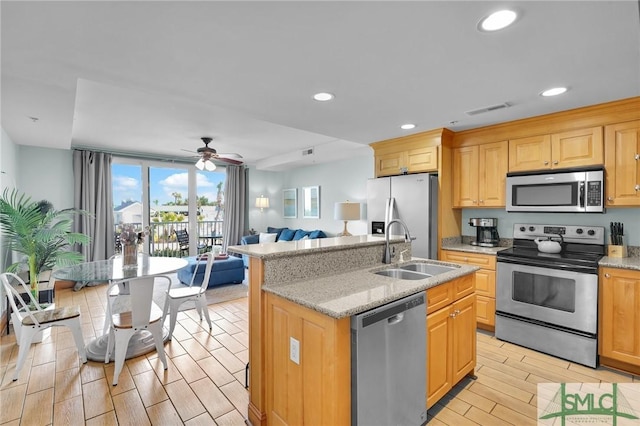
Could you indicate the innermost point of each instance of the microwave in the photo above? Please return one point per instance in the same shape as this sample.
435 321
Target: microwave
579 190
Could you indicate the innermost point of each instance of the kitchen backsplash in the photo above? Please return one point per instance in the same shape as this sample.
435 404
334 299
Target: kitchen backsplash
630 217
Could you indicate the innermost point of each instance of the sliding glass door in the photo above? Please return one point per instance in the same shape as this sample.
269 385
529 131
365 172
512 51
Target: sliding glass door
166 199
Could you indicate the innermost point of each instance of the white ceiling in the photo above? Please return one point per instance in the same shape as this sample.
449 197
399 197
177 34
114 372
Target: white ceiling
154 77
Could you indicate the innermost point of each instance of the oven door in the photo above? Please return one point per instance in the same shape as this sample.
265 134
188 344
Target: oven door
561 298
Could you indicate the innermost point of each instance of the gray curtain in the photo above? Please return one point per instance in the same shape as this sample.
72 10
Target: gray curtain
234 206
92 193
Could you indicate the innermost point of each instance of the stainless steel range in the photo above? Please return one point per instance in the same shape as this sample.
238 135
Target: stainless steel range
548 301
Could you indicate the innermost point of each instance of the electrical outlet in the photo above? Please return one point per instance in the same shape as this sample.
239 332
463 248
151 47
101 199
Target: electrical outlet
294 350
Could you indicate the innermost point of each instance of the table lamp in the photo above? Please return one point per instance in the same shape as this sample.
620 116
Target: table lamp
346 211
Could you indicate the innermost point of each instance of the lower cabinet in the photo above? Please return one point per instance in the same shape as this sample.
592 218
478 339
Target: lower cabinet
317 388
451 335
620 318
485 284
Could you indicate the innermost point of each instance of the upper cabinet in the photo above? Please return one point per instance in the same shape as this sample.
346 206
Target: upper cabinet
622 162
417 153
575 148
479 174
417 160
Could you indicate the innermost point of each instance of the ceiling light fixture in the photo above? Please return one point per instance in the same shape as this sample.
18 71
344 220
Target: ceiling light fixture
323 96
205 163
408 126
497 20
554 92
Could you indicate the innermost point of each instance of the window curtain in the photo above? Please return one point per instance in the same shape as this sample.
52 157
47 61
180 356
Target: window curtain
92 193
234 206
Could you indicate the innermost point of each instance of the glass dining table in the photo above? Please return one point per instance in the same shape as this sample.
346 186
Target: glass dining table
113 270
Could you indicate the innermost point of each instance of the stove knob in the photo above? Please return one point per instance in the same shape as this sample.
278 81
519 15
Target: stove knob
522 229
579 231
532 228
591 232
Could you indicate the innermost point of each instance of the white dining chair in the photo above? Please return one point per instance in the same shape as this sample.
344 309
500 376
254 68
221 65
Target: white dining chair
177 296
33 319
142 314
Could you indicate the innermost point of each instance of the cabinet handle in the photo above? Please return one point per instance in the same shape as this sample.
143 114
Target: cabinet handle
637 157
637 188
555 162
453 315
607 275
546 163
609 198
457 311
481 201
475 201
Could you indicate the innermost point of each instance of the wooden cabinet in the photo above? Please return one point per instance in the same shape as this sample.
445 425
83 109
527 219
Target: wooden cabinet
317 389
573 148
417 160
485 284
622 163
451 339
620 318
479 175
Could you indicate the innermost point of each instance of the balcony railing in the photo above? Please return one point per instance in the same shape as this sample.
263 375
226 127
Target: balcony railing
163 239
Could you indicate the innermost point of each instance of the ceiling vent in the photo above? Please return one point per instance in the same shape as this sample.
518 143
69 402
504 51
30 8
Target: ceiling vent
488 109
308 151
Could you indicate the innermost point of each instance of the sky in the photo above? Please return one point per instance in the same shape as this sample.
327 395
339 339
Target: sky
127 183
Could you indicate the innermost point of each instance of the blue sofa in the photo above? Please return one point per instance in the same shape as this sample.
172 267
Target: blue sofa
229 271
283 234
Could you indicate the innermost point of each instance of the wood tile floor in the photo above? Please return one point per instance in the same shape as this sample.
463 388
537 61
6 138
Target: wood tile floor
204 384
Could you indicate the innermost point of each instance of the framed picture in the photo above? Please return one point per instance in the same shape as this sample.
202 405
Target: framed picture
311 202
290 203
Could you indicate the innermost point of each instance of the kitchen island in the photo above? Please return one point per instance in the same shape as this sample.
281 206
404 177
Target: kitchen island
306 291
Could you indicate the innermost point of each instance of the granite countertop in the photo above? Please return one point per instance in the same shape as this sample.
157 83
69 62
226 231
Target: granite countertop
346 294
317 245
473 249
620 262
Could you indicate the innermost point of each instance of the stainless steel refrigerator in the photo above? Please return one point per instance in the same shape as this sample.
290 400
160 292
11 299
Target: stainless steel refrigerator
412 199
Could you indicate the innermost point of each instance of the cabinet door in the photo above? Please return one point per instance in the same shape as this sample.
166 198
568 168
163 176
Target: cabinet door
422 159
577 148
486 282
620 321
622 162
439 355
492 172
465 173
532 153
390 164
464 337
486 311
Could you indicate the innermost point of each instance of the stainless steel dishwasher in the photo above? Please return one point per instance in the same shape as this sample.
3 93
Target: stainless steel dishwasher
388 364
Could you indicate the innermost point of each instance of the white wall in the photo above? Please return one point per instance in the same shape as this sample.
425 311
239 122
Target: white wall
46 174
339 181
8 179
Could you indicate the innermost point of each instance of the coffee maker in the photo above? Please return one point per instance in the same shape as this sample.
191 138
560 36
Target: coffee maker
486 232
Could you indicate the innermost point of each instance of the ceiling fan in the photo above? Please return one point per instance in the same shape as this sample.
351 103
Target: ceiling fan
208 155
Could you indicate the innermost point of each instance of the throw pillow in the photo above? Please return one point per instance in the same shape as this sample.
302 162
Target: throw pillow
299 234
276 231
317 234
267 238
287 235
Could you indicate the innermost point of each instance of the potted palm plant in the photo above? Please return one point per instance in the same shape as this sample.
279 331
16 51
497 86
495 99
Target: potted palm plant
39 232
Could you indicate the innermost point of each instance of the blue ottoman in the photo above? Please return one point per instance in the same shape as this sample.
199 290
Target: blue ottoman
228 271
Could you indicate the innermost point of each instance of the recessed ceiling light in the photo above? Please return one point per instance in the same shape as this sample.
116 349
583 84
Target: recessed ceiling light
408 126
554 92
497 20
323 96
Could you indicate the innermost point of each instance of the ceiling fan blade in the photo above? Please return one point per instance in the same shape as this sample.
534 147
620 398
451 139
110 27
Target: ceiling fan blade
229 160
230 155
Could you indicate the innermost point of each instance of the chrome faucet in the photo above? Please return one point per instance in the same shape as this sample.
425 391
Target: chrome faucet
407 238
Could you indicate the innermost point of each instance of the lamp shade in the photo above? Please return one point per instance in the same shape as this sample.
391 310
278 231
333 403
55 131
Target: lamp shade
262 202
347 211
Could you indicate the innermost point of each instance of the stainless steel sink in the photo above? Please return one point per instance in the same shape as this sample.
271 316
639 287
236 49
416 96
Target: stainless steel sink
402 274
427 268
